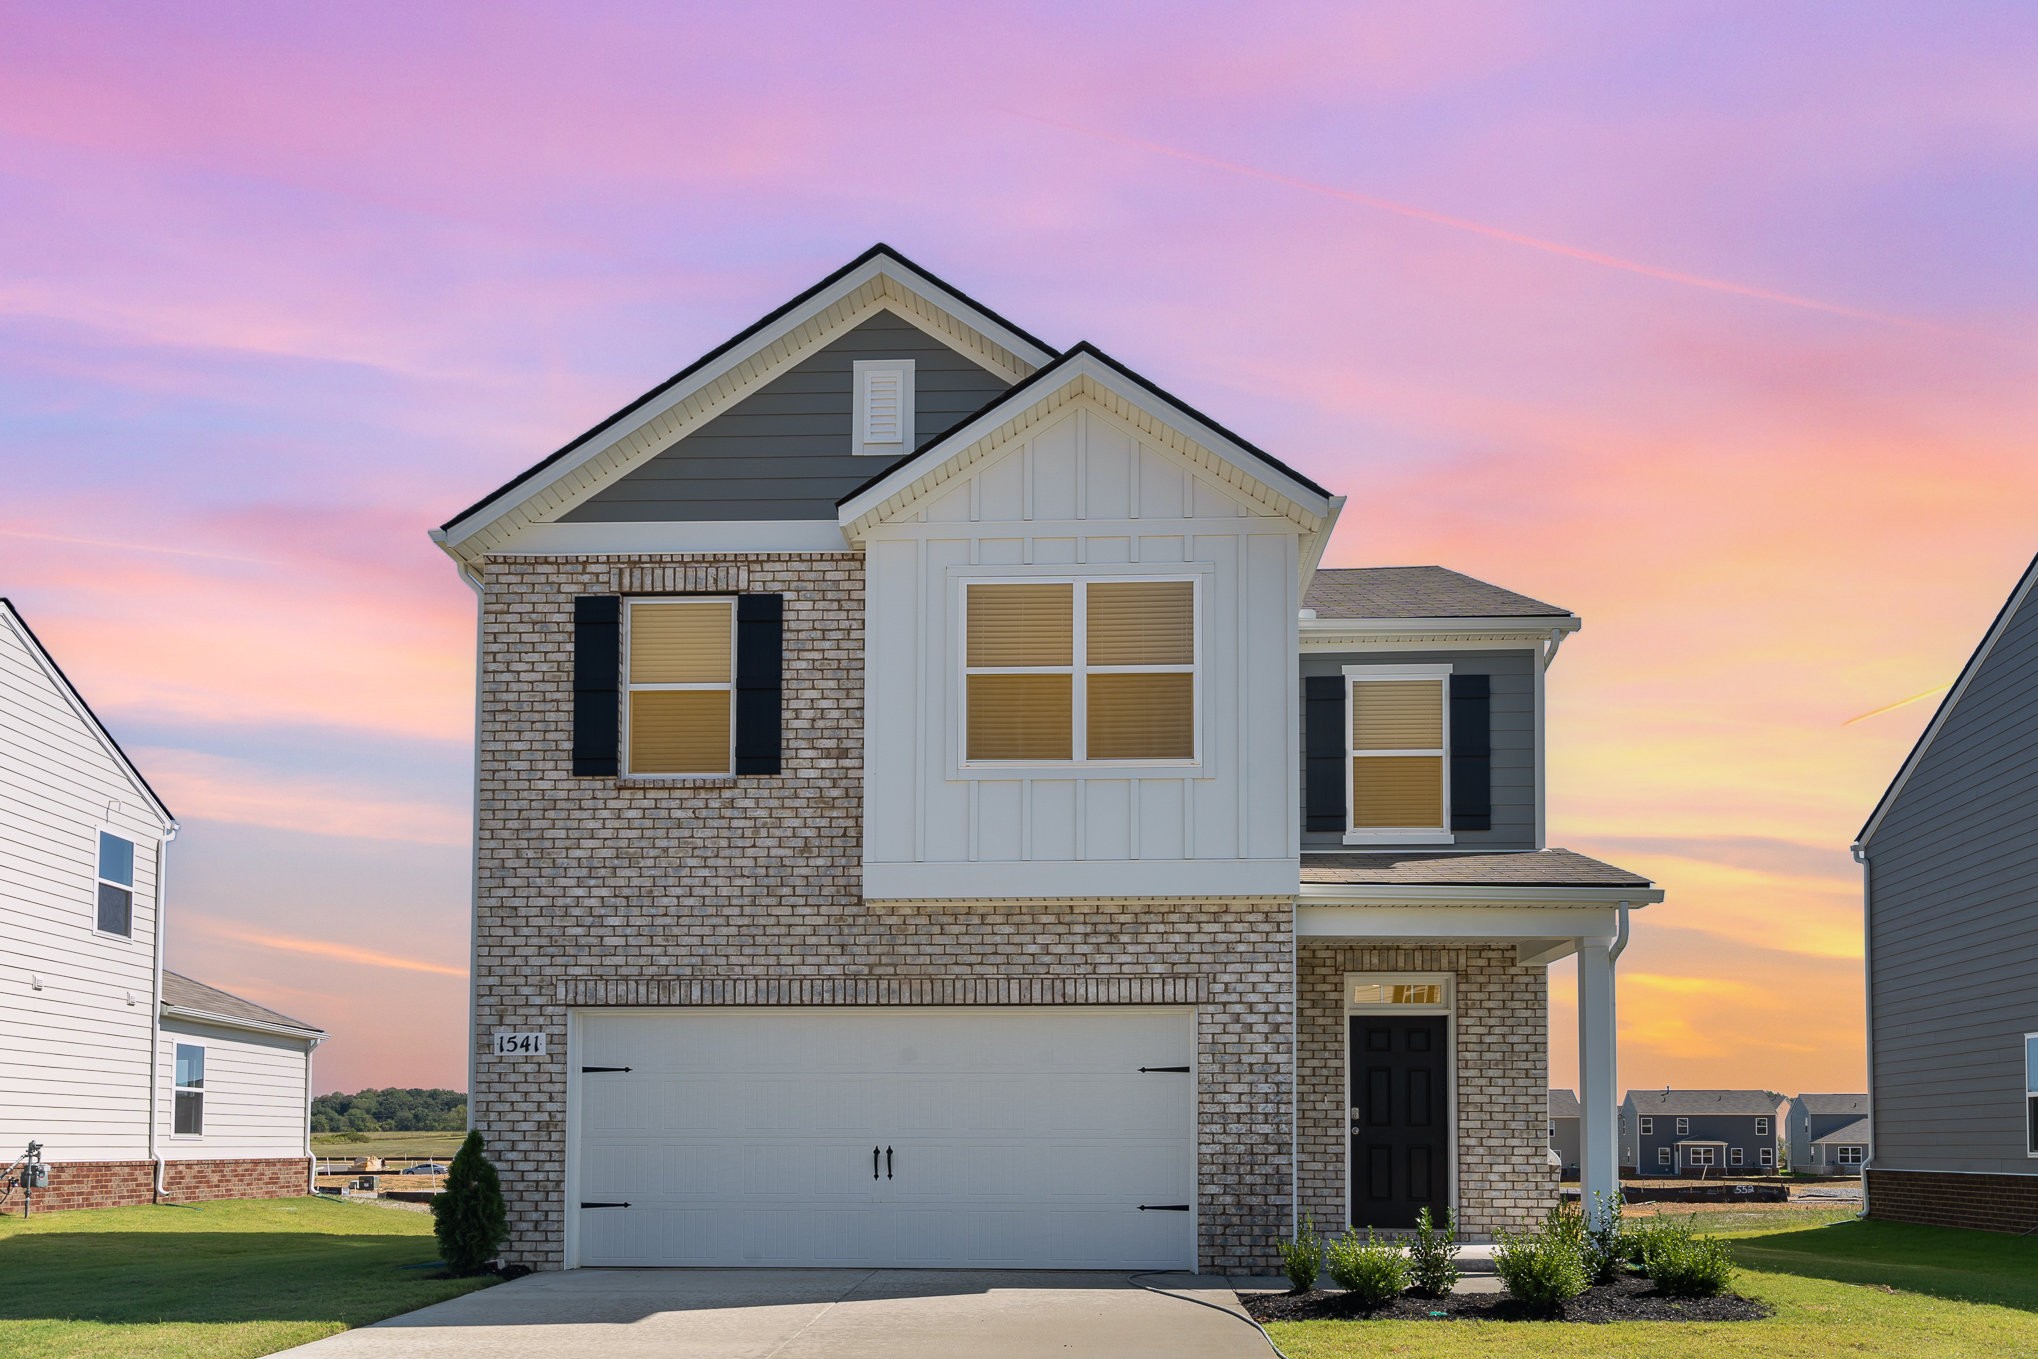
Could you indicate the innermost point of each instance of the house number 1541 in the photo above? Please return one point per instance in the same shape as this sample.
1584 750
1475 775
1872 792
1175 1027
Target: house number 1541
509 1044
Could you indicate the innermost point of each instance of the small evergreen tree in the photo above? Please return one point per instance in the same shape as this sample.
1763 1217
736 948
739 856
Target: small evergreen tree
468 1215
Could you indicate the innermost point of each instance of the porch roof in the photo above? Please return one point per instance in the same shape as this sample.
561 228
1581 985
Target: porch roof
1520 868
1855 1132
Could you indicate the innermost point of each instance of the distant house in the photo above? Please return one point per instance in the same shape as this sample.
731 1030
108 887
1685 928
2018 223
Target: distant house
1828 1134
1564 1132
140 1085
1951 868
1700 1132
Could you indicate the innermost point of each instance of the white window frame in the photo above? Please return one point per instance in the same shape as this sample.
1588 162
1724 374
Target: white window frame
1762 1127
1079 671
178 1093
1849 1155
1766 1156
858 404
2031 1095
134 896
1684 1127
1736 1156
1648 1126
1710 1153
630 602
1411 835
1662 1156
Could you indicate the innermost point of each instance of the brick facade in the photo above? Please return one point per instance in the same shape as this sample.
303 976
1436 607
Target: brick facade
1501 1045
1986 1203
121 1184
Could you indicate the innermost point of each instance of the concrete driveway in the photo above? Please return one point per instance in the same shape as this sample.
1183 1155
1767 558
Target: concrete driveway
812 1313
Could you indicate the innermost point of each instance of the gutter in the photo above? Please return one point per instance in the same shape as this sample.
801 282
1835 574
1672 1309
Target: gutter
220 1021
157 1189
1860 852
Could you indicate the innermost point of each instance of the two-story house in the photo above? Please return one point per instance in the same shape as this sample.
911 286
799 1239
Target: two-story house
1828 1134
933 810
1950 867
1701 1133
138 1084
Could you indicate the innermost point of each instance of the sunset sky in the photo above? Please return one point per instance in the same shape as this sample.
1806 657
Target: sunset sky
1711 322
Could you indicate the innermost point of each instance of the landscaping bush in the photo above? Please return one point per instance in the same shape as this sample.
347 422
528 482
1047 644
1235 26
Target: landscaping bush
1684 1264
1433 1255
1372 1272
1302 1257
1543 1269
468 1215
1605 1241
1634 1245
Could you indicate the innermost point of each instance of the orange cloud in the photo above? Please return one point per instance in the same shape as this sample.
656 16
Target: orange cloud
319 948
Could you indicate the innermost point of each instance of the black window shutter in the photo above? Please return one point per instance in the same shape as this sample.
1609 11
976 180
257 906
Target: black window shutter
597 675
1471 753
1323 752
760 648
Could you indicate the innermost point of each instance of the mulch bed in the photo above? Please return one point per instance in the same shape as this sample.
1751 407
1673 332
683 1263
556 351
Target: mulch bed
1629 1299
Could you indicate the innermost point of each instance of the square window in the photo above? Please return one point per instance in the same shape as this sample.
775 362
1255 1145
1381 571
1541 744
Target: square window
114 896
189 1115
1396 748
681 675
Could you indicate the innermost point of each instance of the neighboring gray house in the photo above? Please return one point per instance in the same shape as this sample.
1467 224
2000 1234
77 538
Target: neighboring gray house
1950 858
1701 1133
1828 1134
1564 1132
933 810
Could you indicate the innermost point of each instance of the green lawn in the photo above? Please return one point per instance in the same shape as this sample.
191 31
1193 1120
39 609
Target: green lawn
335 1146
1839 1288
214 1281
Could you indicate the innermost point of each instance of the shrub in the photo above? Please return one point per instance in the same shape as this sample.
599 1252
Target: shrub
1544 1269
1605 1241
1302 1257
1634 1244
468 1215
1372 1272
1684 1264
1433 1255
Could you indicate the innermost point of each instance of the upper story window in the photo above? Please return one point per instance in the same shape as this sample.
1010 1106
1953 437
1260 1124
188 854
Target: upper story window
1066 671
1398 741
882 422
1684 1127
1762 1127
1648 1127
189 1115
115 913
680 671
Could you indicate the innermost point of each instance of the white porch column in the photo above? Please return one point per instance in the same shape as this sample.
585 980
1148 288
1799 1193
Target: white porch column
1599 1116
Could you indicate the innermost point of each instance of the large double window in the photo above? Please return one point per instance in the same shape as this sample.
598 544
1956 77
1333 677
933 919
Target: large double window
681 677
1398 741
1065 672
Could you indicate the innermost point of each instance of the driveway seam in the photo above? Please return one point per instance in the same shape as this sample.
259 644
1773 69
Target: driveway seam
818 1315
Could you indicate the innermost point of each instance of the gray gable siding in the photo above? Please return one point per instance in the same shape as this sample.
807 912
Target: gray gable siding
783 451
1953 929
1513 684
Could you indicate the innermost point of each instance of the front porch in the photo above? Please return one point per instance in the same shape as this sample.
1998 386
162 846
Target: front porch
1422 1018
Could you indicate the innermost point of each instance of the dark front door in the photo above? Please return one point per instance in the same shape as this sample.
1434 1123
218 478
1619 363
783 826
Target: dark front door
1400 1119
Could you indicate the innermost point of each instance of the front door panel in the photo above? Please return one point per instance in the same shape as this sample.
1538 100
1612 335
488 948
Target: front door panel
1400 1119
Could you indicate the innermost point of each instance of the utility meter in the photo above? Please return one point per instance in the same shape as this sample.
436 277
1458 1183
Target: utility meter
35 1175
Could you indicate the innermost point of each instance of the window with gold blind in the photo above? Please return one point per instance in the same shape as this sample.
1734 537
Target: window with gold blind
1399 748
1079 671
679 672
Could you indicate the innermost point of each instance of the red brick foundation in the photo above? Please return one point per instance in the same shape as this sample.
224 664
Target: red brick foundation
1983 1203
118 1184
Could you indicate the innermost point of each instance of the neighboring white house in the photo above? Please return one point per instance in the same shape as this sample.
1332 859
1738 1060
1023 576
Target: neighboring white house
221 1109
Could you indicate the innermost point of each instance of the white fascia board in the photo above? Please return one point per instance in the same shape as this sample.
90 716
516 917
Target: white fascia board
1071 880
1337 634
733 535
1428 894
1083 367
1317 542
219 1021
1499 924
2011 607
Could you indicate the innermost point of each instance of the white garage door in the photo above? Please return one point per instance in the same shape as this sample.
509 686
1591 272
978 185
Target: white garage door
910 1137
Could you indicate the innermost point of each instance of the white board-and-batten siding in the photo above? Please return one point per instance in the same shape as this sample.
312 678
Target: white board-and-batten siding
74 1054
1084 497
257 1095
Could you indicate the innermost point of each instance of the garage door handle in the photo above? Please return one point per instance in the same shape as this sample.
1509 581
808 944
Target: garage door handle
873 1163
585 1204
1163 1207
888 1163
1146 1069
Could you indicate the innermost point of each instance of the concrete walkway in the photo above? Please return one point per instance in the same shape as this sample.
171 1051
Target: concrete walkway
816 1314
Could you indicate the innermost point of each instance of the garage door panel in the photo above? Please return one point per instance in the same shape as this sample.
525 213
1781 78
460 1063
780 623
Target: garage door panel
1020 1138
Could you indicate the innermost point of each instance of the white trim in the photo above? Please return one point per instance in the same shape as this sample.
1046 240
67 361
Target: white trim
134 896
220 1021
860 372
1439 834
1501 633
1006 880
1494 924
2009 612
178 1091
1436 894
1448 1008
629 687
675 535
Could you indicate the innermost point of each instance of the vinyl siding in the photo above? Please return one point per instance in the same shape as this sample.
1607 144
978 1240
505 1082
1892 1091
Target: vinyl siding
1736 1130
74 1056
1953 929
783 452
1512 677
256 1095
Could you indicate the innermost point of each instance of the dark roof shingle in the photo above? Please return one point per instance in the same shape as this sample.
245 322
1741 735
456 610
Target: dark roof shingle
1563 1104
1832 1104
1520 868
1416 592
1857 1131
183 993
1691 1102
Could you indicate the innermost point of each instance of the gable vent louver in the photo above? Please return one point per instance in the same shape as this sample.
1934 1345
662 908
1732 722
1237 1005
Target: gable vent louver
884 406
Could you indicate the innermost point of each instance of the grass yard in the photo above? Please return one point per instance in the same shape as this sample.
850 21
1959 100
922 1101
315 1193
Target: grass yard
1839 1287
214 1281
336 1146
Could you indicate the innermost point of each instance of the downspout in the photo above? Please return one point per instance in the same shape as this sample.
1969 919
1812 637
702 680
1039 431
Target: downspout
473 579
310 1161
1868 1029
157 1191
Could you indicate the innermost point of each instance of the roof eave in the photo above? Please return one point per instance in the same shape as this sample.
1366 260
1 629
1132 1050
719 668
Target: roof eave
1480 894
224 1021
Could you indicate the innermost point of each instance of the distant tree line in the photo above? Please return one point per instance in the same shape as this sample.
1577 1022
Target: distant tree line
390 1110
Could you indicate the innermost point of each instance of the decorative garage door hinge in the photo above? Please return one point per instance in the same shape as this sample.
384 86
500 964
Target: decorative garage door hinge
586 1204
1161 1207
1184 1070
584 1070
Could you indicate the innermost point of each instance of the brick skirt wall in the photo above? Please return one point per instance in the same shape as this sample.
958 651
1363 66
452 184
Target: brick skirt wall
120 1184
1984 1203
